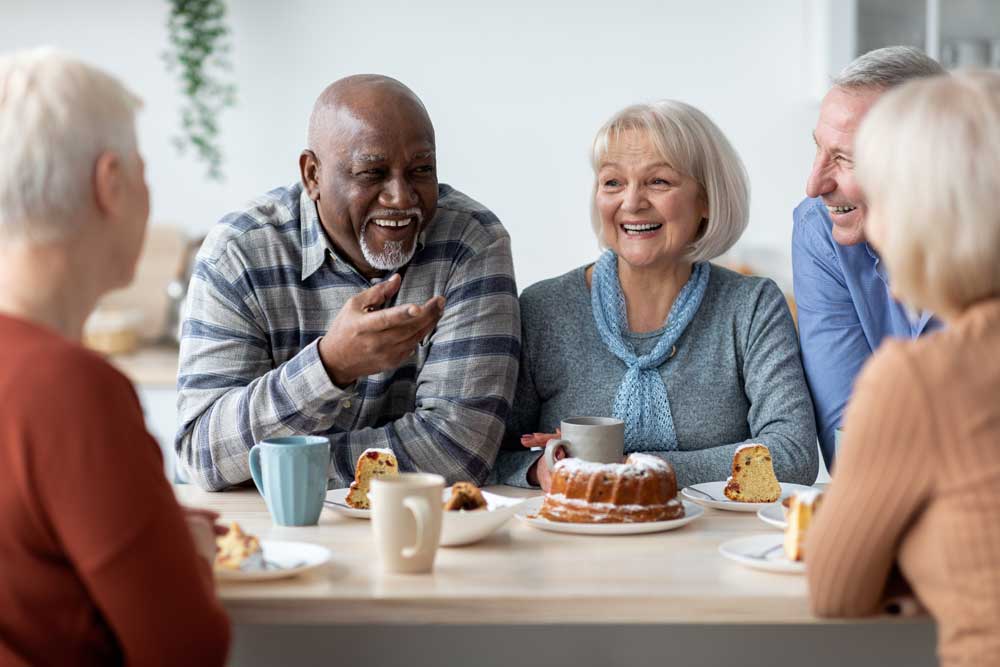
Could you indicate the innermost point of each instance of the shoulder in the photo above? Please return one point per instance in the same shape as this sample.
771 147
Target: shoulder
270 217
812 230
463 219
892 375
553 294
728 289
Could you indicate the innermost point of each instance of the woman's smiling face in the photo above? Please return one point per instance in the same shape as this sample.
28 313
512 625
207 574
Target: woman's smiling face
650 213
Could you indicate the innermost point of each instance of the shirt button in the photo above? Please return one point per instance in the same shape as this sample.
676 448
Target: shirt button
346 404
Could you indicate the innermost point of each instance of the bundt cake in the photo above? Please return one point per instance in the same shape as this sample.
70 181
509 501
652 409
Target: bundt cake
465 496
371 463
800 514
644 488
238 551
753 479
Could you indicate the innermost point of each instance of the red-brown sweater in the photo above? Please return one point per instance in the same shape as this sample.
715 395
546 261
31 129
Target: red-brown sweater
917 481
97 565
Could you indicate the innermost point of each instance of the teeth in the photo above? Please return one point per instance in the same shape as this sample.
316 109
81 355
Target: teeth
391 223
641 228
841 209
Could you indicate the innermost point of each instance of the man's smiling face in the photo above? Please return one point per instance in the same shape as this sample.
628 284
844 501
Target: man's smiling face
832 175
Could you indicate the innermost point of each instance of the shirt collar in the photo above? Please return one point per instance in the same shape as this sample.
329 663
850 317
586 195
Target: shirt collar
315 245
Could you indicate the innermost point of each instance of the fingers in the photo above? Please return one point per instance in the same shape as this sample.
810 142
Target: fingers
411 318
376 295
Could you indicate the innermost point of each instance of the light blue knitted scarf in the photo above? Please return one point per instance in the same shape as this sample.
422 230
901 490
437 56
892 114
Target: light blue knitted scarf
642 397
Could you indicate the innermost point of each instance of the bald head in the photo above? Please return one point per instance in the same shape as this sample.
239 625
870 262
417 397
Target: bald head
364 99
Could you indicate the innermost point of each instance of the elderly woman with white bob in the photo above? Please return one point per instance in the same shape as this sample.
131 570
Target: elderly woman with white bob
917 481
694 358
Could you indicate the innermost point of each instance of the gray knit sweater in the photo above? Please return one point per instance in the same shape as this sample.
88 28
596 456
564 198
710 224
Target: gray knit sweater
736 377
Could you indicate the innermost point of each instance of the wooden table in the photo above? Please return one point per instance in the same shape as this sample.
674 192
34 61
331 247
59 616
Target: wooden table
513 594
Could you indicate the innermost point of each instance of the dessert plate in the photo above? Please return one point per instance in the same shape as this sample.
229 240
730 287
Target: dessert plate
282 559
710 494
465 527
773 514
336 499
527 514
761 552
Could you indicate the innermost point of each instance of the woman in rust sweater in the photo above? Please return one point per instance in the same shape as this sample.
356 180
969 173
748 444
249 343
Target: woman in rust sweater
98 563
917 481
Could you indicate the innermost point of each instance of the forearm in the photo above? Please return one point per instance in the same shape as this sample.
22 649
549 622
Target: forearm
512 468
221 424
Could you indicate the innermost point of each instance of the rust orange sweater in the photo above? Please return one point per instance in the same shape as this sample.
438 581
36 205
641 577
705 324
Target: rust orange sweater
917 482
97 565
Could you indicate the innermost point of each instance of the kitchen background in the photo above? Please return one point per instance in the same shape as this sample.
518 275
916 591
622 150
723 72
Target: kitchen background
516 91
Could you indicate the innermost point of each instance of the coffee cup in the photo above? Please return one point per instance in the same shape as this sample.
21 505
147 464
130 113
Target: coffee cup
600 439
406 520
291 474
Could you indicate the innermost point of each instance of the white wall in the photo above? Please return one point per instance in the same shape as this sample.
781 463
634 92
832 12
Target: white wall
515 89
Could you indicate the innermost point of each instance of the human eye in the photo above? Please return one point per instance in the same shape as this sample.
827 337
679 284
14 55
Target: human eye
611 183
424 169
370 174
661 182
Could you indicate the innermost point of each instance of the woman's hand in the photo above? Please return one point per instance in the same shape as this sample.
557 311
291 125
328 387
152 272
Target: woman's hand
539 473
530 440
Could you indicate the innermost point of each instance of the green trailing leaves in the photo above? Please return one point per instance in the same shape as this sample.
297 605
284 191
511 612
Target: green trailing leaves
199 55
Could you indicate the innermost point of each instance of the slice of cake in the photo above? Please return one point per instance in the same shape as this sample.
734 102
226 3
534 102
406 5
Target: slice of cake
753 479
371 463
238 551
465 496
800 514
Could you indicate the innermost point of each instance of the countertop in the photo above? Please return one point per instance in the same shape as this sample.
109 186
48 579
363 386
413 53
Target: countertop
151 366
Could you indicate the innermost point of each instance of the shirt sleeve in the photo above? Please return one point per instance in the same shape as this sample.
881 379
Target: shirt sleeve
780 415
114 514
231 395
834 347
881 482
465 387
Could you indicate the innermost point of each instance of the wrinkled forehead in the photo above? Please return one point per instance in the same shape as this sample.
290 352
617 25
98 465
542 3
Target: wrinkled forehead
381 134
634 145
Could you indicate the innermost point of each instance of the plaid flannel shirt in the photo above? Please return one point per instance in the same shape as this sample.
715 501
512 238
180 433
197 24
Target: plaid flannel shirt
266 285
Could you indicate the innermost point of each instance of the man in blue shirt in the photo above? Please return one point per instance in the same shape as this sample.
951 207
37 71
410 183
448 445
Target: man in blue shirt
845 304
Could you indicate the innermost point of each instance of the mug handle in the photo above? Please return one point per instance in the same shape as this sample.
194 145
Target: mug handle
258 479
421 511
550 450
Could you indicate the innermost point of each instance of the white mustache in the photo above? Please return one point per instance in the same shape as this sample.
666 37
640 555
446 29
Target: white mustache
395 212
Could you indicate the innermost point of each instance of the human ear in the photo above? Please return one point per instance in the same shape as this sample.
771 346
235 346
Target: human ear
309 170
108 183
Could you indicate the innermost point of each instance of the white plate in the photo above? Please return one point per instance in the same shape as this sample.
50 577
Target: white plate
288 558
773 514
720 502
527 515
336 500
465 527
761 552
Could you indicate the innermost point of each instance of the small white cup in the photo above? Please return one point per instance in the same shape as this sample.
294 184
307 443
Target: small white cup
406 520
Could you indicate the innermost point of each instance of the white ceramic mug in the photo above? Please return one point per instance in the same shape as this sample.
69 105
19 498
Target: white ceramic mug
600 439
406 520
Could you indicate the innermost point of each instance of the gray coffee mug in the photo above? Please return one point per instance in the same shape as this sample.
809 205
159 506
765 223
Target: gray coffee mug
600 439
291 474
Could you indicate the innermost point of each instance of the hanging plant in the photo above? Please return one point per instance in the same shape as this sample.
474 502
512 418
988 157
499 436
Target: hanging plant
198 53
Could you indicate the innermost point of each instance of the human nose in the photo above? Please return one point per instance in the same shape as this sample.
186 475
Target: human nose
634 200
820 180
398 193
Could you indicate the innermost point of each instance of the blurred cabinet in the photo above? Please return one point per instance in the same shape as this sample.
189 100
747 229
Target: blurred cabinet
958 33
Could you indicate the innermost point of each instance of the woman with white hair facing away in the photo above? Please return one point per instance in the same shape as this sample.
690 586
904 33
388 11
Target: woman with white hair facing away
918 474
99 563
695 359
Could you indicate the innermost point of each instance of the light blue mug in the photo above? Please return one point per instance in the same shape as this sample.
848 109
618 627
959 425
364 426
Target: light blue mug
291 474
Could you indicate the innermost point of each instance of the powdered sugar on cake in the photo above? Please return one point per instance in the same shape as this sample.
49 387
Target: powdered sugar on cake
635 464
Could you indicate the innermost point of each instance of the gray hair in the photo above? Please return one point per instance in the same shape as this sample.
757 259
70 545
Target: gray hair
887 68
57 115
692 144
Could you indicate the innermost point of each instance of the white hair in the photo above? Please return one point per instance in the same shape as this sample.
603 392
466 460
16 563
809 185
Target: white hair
57 115
887 68
928 156
692 144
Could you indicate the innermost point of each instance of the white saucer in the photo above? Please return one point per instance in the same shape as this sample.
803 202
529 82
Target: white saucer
773 514
336 500
718 500
761 552
527 515
284 559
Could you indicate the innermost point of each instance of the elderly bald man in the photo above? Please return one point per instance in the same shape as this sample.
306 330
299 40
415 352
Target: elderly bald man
367 303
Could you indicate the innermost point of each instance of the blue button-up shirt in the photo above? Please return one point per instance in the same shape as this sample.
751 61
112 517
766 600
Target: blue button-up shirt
845 309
